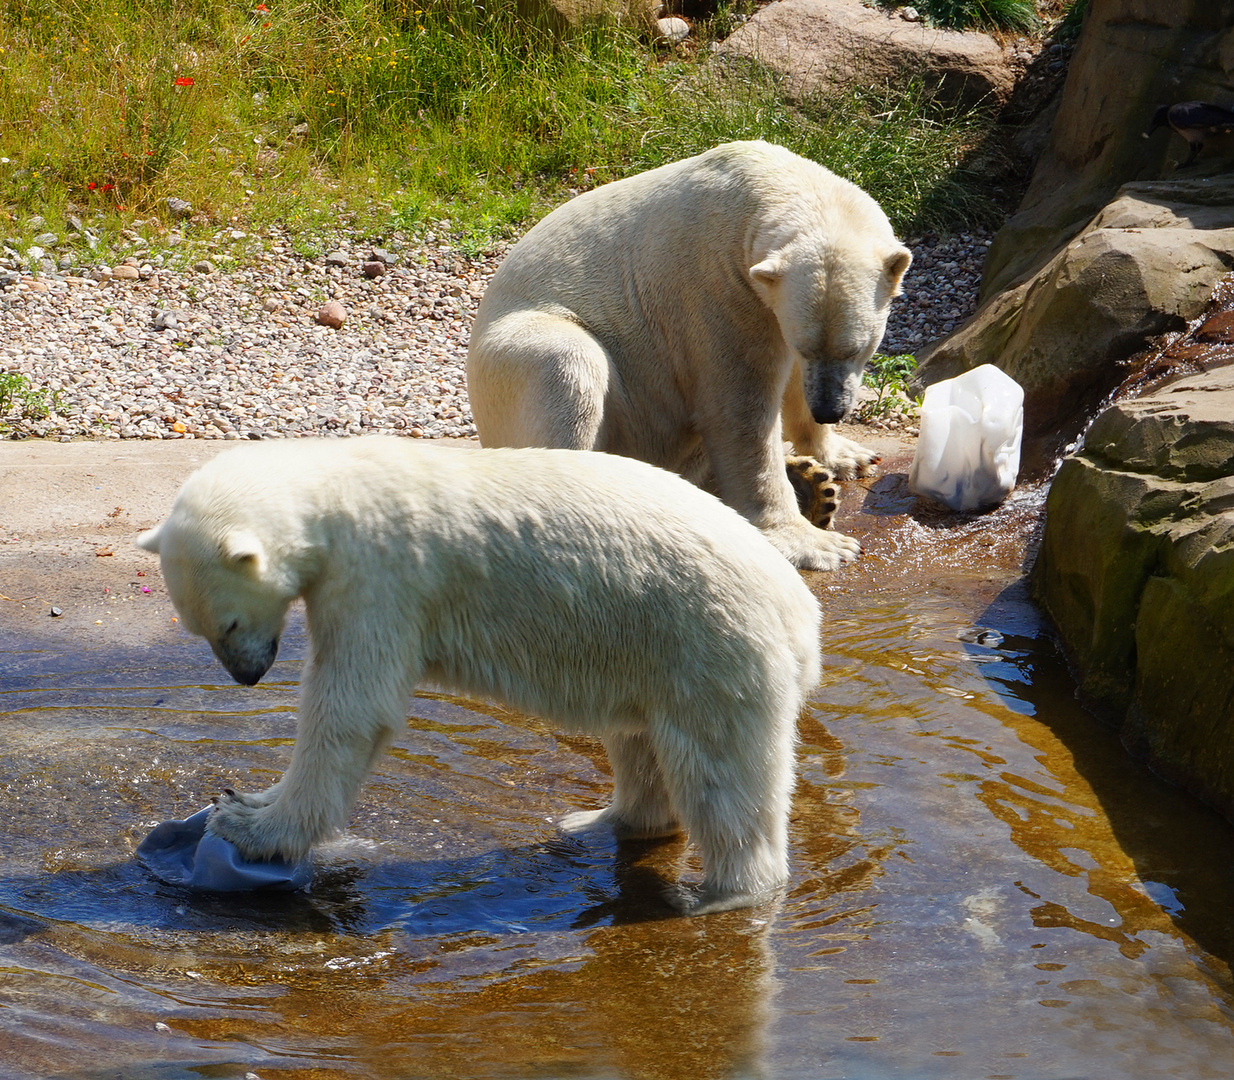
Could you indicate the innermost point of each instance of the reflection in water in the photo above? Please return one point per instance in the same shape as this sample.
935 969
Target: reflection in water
983 884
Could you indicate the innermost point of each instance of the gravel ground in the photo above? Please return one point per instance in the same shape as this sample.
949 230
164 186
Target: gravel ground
219 339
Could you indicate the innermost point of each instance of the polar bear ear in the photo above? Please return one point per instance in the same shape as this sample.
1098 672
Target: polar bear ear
244 551
768 272
895 266
149 540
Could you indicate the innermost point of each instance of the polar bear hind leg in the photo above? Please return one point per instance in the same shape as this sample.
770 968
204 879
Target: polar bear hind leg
641 806
731 779
818 494
539 380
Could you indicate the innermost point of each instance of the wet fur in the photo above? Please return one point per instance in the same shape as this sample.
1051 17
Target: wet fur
601 593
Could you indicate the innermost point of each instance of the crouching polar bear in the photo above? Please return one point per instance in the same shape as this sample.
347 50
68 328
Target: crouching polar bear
688 316
599 592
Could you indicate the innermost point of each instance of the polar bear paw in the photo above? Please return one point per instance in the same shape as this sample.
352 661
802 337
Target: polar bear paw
623 828
255 827
818 494
848 460
808 548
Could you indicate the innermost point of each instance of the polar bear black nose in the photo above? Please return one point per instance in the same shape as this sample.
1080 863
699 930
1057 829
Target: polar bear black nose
247 666
827 413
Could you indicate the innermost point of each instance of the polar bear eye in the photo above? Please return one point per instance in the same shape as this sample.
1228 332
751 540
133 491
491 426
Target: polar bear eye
235 625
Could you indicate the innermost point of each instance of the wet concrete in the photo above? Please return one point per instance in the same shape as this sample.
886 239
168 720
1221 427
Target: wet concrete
984 885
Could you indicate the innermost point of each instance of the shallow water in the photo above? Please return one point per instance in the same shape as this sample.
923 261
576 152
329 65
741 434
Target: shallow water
983 884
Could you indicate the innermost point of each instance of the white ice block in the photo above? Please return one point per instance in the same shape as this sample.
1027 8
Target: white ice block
968 452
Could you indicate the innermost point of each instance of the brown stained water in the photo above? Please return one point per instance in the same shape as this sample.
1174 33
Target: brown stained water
984 886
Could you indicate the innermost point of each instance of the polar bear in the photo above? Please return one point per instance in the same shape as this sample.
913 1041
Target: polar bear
602 593
689 315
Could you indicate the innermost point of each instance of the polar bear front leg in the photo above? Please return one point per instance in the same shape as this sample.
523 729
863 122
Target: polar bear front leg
641 807
751 478
343 726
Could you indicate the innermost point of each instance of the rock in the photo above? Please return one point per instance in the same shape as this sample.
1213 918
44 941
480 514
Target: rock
332 314
73 224
337 258
1146 264
34 253
204 266
47 239
374 268
178 209
1107 102
672 29
272 304
125 272
171 319
818 43
383 256
1137 571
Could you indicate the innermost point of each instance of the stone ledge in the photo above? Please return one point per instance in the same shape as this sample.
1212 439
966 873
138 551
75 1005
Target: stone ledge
1136 569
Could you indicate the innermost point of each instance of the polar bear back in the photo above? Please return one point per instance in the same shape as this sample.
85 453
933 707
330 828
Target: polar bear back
643 252
572 584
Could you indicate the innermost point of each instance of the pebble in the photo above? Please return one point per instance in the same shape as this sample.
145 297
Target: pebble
940 290
239 354
332 314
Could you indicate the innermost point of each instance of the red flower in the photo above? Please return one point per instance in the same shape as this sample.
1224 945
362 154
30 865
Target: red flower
91 186
184 80
149 151
108 187
261 7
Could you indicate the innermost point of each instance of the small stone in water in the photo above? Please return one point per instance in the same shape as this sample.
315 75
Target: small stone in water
55 613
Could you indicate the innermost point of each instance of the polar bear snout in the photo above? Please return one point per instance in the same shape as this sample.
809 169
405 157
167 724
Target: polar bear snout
830 391
246 660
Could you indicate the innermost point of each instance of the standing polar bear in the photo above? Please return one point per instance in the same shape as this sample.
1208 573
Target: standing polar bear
601 593
678 315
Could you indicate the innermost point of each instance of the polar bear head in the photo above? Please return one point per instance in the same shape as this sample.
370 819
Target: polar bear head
221 578
831 298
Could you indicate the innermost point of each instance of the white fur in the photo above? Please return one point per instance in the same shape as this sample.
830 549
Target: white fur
601 593
672 315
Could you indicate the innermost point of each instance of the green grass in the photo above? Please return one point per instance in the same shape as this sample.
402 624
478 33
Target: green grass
381 114
1017 15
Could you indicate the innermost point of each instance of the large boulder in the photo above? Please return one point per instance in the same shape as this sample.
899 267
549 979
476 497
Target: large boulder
1136 569
1132 56
815 44
1145 264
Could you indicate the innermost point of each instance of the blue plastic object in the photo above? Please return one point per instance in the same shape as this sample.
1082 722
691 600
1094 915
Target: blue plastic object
183 853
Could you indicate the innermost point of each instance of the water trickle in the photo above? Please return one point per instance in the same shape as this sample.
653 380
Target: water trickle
984 885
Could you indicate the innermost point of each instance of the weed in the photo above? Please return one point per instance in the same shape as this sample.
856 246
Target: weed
888 376
17 395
